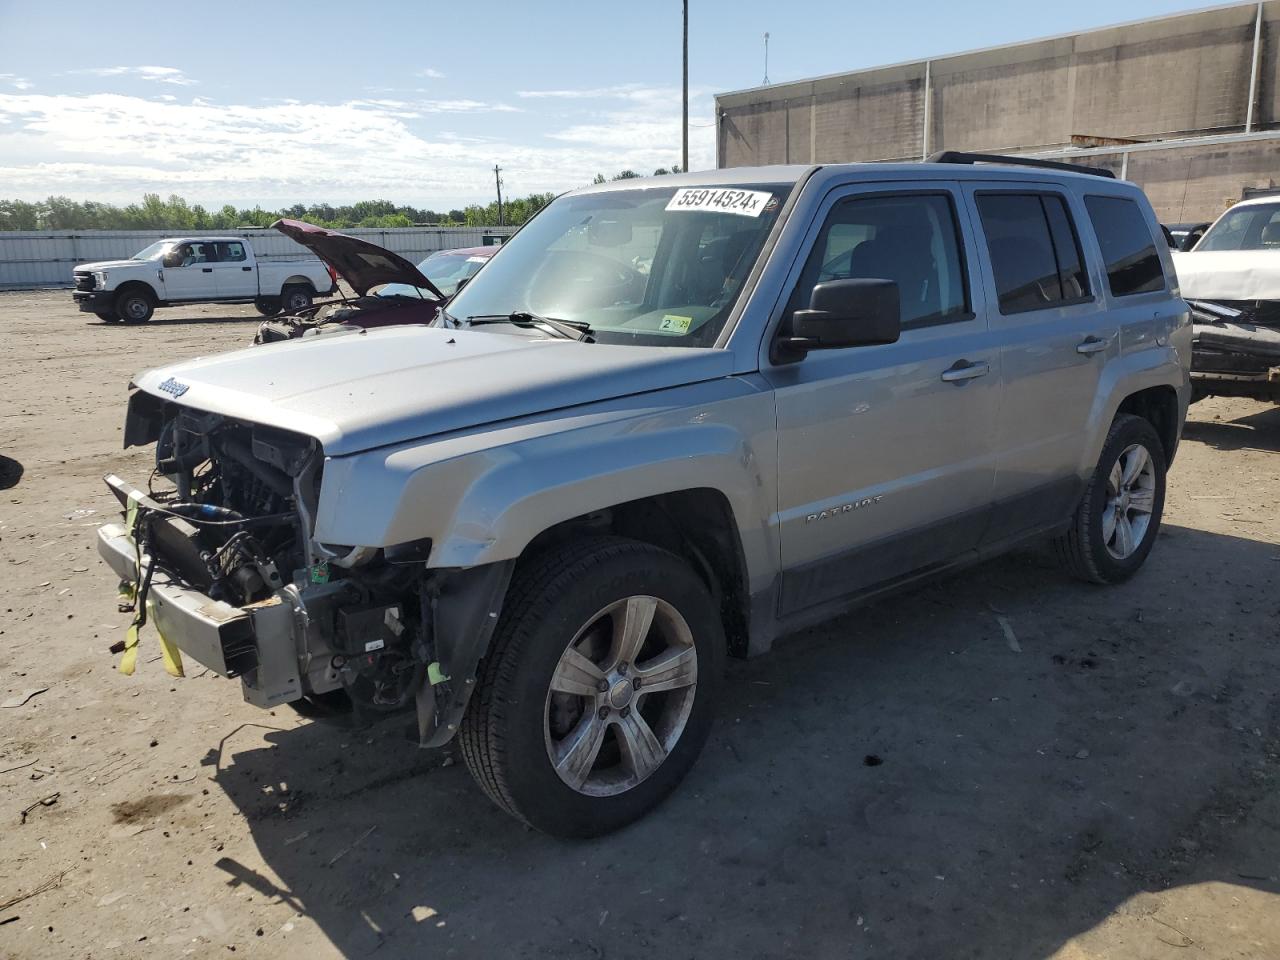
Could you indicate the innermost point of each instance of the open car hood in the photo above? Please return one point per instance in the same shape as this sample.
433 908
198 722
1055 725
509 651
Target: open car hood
362 264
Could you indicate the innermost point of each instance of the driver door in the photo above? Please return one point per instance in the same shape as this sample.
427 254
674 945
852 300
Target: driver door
192 276
886 461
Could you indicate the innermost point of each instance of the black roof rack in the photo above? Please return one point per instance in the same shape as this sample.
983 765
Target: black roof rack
958 156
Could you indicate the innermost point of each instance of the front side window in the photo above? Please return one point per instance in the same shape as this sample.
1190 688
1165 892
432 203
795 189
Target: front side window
1128 249
1035 254
911 239
659 266
1255 227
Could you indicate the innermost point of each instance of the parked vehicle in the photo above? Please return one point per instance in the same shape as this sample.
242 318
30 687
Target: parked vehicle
673 419
389 289
1232 279
184 270
1187 235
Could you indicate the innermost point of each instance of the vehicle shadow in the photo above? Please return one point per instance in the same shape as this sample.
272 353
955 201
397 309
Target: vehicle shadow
985 767
167 321
10 472
1257 431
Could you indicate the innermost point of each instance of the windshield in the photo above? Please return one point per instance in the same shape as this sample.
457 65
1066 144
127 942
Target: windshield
1255 227
651 266
445 269
153 252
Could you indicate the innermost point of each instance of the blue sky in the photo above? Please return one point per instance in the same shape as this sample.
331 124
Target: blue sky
278 102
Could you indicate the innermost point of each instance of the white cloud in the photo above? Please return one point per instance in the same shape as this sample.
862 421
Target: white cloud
22 83
114 147
154 74
431 73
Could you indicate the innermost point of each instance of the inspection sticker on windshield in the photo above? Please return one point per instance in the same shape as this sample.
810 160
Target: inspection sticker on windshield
747 203
674 323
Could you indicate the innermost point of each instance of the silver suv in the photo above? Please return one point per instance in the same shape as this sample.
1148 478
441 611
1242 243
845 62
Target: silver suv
669 421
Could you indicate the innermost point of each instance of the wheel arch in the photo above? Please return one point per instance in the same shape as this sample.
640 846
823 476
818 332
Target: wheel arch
1159 407
137 286
697 525
298 280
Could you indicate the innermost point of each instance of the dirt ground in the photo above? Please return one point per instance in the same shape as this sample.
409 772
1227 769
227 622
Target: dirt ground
1097 781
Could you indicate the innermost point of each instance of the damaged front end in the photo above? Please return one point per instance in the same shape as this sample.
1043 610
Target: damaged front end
1235 349
223 562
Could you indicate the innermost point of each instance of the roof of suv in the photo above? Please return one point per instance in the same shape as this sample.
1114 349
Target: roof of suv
793 173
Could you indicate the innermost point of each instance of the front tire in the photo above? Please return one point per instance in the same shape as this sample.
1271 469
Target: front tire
1118 518
267 306
107 316
295 299
598 691
135 306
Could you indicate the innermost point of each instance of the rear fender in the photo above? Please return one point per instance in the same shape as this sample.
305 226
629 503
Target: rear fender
1163 364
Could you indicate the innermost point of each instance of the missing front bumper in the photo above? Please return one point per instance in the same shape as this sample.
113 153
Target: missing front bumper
256 643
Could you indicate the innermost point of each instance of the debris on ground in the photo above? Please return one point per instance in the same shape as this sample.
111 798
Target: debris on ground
1010 637
48 801
43 887
18 699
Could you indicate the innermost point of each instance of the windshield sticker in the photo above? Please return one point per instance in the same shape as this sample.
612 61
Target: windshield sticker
476 259
671 323
747 203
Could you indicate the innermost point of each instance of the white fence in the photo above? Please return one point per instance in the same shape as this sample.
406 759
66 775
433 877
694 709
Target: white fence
45 258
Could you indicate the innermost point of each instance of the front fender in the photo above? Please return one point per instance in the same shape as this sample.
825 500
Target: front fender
483 496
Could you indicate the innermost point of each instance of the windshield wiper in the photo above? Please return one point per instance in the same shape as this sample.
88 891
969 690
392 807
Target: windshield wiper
566 329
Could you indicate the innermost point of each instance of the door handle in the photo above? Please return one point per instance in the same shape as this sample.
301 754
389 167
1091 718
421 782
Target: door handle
246 269
963 370
206 269
1092 345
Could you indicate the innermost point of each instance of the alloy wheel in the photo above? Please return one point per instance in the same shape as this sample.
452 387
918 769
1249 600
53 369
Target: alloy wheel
620 696
1130 500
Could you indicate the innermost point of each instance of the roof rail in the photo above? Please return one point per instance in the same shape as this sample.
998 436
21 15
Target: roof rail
958 156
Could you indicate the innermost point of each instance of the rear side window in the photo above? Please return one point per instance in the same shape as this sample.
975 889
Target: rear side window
1128 249
230 252
1035 253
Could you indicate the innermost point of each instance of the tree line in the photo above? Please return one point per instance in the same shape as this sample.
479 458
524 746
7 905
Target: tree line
154 213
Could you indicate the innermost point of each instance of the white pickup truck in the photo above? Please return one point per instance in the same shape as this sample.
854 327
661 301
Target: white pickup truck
185 270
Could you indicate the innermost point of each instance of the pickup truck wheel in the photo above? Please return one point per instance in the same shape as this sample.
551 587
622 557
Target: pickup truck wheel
296 298
107 316
267 306
134 306
1118 518
597 694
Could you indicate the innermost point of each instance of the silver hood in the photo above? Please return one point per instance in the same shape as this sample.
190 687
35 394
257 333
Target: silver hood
397 384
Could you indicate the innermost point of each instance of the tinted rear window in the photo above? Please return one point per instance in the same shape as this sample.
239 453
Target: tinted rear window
1128 249
1035 256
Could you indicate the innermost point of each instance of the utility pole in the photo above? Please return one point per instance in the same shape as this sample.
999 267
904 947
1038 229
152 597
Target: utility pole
766 60
684 128
497 179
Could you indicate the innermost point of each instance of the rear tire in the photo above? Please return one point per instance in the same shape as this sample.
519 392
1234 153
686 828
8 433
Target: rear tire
1118 518
135 306
575 760
294 299
267 306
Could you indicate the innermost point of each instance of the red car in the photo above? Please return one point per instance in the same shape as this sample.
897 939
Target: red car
389 290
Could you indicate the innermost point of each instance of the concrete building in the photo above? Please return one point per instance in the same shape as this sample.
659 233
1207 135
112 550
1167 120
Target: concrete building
1187 106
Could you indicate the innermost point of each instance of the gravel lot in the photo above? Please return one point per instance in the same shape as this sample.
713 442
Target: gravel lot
1004 764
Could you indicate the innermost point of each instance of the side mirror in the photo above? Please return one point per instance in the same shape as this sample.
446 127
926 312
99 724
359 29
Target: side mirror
173 259
844 313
